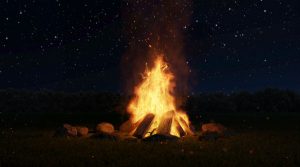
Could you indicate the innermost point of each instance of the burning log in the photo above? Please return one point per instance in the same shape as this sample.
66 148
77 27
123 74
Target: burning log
179 128
143 127
185 126
154 103
164 128
169 124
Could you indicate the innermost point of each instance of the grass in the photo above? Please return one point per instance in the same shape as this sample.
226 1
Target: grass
263 140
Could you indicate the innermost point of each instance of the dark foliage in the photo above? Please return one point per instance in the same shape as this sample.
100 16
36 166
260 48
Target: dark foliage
269 100
47 101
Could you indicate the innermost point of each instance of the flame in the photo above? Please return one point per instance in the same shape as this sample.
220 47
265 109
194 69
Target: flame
154 95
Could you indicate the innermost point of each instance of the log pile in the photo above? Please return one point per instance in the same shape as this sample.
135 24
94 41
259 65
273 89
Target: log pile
166 122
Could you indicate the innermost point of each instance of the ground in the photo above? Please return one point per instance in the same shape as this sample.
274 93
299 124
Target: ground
262 139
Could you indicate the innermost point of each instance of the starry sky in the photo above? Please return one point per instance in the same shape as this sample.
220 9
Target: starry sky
228 45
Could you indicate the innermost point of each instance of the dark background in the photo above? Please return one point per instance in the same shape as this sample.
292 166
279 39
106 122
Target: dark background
230 45
62 61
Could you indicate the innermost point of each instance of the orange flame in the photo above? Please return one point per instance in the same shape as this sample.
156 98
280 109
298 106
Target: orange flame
154 95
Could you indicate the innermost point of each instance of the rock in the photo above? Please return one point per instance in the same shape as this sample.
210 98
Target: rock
65 131
105 128
82 131
213 128
71 131
128 126
214 131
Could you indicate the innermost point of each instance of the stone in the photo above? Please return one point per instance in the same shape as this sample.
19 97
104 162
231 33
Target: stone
82 131
213 128
214 131
127 127
65 131
71 131
105 128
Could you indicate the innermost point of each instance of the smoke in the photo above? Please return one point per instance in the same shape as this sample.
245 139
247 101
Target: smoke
151 27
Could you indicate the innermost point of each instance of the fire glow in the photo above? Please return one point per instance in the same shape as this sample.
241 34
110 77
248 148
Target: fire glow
153 108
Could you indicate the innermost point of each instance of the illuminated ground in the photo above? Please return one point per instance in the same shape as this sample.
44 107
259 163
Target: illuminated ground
261 141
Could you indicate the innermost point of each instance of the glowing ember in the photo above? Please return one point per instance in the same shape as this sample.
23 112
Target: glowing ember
153 109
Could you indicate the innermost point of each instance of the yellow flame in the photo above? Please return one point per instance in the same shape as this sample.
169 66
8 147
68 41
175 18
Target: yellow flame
155 95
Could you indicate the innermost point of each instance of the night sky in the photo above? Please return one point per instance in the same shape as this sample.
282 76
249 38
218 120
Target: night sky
229 45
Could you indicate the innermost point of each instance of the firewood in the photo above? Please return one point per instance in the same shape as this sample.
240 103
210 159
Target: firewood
185 126
164 128
143 127
179 128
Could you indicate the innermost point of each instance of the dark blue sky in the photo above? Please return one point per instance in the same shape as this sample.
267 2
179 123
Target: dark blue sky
230 45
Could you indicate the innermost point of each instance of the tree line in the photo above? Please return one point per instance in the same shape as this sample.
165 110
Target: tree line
268 100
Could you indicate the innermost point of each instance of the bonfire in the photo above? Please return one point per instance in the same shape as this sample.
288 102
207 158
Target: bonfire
153 109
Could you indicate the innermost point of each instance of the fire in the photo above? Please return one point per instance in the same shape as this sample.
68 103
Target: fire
153 109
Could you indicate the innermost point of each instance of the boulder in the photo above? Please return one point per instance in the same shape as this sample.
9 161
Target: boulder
213 128
105 128
65 131
127 127
82 131
214 131
71 131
